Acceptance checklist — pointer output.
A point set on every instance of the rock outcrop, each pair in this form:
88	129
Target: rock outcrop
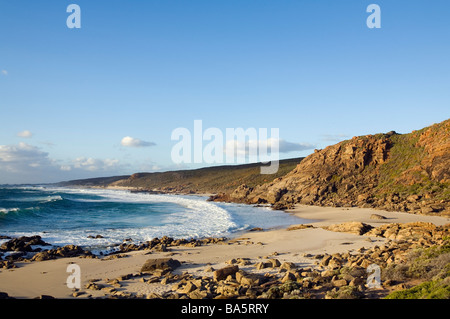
23	244
160	263
397	172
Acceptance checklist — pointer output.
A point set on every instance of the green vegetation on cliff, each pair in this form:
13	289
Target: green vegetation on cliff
404	173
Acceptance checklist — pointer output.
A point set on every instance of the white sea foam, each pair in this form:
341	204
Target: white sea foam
7	210
41	199
196	218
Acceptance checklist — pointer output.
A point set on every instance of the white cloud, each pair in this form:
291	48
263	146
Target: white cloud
25	134
17	157
129	141
25	163
4	72
271	145
94	164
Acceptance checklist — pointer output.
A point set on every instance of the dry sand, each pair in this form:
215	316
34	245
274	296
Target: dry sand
33	279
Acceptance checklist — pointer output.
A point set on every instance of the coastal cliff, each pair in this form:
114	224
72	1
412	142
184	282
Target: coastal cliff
395	172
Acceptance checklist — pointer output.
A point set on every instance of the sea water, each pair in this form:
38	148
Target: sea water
63	216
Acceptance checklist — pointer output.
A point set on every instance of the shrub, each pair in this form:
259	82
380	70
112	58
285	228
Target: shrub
439	289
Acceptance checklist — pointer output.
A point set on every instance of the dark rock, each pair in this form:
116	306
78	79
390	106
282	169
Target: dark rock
377	216
23	244
223	273
357	228
288	265
160	263
262	265
65	251
4	295
250	279
288	277
95	237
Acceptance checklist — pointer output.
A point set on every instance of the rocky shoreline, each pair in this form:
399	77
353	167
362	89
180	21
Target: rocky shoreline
413	254
21	249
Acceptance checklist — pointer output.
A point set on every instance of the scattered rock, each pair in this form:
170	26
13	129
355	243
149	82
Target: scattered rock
288	277
301	226
274	262
249	279
339	283
4	295
23	244
357	228
65	251
160	263
7	264
288	265
377	216
95	237
78	293
209	269
231	261
223	273
262	265
189	287
94	286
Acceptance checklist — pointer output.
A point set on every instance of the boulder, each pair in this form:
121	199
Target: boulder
241	192
274	262
227	290
4	295
339	282
231	261
377	216
356	228
41	256
249	279
160	263
262	265
223	273
23	244
288	265
325	260
190	287
288	277
334	263
69	251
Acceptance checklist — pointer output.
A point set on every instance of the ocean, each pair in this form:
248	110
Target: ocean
63	216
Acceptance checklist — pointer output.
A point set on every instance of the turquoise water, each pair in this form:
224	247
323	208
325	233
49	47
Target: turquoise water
64	216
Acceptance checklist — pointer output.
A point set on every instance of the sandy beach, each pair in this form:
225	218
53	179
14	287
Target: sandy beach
33	279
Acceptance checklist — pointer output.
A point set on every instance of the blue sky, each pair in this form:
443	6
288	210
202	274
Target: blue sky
140	69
